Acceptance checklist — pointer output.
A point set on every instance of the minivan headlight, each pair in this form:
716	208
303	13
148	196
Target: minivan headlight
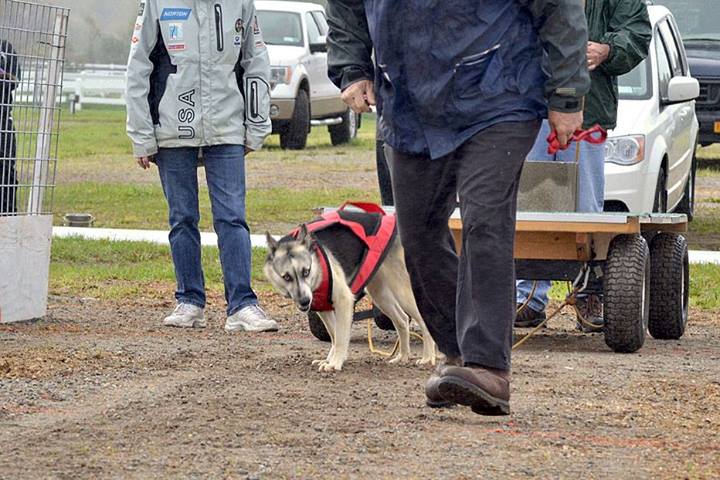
625	150
280	76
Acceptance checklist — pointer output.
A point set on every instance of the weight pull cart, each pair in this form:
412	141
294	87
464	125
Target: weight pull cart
642	260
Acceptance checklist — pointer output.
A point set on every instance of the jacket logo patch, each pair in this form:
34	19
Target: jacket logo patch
186	115
141	9
239	25
237	41
176	47
175	31
175	14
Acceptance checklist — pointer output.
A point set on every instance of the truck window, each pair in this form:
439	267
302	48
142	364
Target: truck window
321	22
280	28
313	30
696	19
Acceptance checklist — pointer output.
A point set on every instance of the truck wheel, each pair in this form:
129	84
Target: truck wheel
382	321
687	204
347	130
294	136
627	293
669	286
317	327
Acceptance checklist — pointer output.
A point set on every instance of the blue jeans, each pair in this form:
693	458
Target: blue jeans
225	172
591	197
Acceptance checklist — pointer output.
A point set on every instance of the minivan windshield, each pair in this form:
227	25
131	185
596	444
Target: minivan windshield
281	28
698	20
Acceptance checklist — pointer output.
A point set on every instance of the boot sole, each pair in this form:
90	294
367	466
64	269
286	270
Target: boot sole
440	404
462	392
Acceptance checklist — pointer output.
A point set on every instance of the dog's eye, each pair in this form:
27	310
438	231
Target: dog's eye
287	277
306	272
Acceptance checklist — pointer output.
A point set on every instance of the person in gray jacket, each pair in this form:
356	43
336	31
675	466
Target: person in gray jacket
198	83
461	90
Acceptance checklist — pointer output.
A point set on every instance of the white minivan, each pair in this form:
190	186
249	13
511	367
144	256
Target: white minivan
650	156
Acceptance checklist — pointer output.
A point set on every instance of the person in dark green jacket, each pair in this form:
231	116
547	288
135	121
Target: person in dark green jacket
619	34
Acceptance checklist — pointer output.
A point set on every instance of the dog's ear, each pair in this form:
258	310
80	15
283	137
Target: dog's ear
271	242
304	236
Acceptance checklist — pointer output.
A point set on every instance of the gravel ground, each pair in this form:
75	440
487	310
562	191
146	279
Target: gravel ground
100	390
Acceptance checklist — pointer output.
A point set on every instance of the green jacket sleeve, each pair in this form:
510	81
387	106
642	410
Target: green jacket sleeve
563	31
349	43
628	34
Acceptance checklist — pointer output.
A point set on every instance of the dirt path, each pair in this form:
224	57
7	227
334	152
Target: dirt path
100	390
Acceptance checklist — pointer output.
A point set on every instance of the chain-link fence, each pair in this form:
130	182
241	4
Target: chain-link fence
32	55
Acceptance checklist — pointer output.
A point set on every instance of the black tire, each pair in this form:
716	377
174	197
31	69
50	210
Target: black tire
627	293
317	327
669	286
660	203
347	130
382	321
294	136
687	204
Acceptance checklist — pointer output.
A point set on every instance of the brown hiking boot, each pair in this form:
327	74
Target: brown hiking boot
486	391
591	309
527	317
433	397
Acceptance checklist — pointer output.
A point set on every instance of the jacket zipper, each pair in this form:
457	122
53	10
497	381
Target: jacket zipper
254	101
219	28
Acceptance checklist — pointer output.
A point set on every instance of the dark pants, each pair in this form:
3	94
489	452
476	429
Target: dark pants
8	178
383	172
467	302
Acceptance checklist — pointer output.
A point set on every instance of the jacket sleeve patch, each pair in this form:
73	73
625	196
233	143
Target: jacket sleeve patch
257	93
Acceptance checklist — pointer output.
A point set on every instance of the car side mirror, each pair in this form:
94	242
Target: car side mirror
320	46
682	89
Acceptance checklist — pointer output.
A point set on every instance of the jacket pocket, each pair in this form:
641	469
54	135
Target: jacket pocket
219	31
473	73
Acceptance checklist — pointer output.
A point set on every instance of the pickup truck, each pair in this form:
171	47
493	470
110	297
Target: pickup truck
302	95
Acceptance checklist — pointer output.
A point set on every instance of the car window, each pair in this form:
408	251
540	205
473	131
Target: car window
664	69
676	63
280	28
313	30
321	22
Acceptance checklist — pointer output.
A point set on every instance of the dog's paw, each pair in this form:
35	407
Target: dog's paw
426	361
330	367
397	359
319	362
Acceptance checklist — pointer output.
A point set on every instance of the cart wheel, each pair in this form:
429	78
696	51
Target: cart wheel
317	327
627	293
381	320
669	286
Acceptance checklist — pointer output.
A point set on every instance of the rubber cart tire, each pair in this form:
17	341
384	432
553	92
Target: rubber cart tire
627	293
669	286
317	327
382	321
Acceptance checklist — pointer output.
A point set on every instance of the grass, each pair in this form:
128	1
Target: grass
144	206
116	270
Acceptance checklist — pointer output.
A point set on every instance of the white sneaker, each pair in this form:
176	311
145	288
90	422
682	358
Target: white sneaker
186	315
250	319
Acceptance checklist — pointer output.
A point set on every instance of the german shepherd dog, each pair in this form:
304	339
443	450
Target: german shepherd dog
292	267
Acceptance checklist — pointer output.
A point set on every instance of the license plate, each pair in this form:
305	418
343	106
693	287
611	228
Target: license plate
717	127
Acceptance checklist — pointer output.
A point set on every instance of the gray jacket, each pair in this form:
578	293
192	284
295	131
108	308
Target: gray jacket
198	75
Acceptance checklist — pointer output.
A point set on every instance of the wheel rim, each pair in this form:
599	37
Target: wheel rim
352	124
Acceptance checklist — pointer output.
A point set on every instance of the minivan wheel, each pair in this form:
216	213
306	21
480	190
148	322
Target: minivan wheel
294	136
687	204
660	203
345	131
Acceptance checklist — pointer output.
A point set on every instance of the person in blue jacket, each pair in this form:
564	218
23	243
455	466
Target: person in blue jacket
462	88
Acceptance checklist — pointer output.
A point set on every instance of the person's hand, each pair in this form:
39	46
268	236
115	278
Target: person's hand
144	162
565	124
360	96
248	151
597	53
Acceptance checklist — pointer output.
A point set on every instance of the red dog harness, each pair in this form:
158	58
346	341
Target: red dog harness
376	244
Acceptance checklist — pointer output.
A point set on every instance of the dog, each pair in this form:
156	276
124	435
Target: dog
293	267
